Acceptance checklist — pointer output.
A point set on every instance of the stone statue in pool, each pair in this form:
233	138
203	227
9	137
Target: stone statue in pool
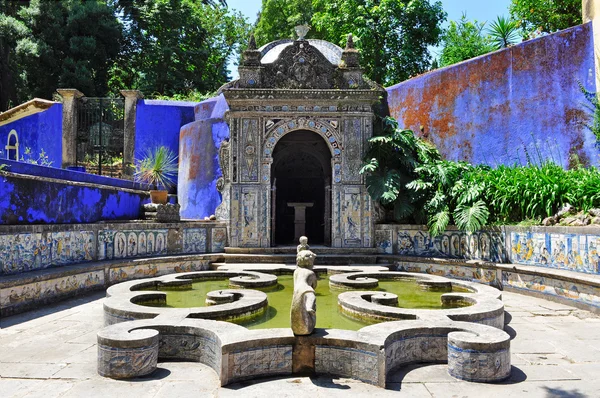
304	301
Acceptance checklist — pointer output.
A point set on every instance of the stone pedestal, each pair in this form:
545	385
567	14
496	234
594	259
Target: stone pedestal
162	213
69	125
300	218
131	99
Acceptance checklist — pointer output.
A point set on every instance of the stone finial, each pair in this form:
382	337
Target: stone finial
302	31
251	56
252	42
350	55
350	42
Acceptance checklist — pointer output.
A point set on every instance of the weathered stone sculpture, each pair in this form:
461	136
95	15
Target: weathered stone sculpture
304	300
302	246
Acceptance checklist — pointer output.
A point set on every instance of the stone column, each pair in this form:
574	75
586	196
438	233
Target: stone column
591	12
69	125
131	99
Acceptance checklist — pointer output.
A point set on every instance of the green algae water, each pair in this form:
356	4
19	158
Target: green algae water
280	301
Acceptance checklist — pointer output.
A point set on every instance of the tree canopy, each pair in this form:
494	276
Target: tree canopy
545	15
463	40
162	47
393	36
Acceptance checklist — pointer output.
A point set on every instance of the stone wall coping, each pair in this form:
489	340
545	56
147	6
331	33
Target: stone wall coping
28	108
108	225
502	228
7	173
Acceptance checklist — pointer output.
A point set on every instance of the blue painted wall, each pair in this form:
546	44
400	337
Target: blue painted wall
77	199
157	123
502	107
39	131
199	167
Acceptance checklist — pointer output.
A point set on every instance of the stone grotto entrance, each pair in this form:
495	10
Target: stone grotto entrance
301	189
299	118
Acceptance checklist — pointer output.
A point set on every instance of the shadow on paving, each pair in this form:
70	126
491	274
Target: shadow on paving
49	309
396	379
559	392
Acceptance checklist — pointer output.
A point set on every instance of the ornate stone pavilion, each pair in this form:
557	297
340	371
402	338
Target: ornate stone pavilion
300	116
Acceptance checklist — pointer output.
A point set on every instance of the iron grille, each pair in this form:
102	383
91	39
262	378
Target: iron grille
100	135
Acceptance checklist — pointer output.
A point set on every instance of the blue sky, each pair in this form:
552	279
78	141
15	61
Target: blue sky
480	10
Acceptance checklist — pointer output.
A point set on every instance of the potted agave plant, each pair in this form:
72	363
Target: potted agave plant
157	168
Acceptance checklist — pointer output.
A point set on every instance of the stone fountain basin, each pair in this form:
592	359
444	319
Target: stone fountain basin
138	336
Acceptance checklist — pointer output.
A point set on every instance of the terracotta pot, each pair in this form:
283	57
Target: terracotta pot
158	197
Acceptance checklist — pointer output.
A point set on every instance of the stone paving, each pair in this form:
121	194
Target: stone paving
51	352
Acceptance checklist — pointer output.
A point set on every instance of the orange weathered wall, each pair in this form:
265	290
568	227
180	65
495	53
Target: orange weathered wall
509	105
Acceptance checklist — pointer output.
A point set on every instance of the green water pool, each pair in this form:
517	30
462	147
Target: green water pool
280	300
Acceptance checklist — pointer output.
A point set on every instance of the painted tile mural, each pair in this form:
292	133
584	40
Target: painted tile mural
568	290
28	252
72	247
483	245
472	274
24	252
194	240
127	244
218	240
129	272
13	296
562	251
383	241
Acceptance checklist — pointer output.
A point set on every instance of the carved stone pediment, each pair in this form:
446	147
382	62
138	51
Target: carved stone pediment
300	66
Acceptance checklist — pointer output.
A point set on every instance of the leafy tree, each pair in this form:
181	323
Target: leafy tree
464	40
393	36
71	43
545	15
278	18
503	32
12	32
176	46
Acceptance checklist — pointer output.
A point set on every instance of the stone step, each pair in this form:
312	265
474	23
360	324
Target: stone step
278	268
318	250
322	259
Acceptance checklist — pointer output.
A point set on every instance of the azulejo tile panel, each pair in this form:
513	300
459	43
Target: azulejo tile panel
129	272
348	362
194	240
472	274
23	294
24	252
72	247
218	240
32	251
114	244
554	287
575	252
260	361
484	245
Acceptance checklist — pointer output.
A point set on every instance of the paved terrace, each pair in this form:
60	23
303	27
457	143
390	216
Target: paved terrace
51	352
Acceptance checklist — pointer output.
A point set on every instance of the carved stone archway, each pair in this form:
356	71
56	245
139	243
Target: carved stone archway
288	86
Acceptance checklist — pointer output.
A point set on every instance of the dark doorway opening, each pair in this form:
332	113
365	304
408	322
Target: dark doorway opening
301	173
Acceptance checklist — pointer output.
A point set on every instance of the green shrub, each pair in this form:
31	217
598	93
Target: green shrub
407	174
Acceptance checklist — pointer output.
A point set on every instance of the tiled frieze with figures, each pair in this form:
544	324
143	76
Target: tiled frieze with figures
570	251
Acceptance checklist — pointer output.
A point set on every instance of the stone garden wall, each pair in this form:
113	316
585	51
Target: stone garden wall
508	106
37	247
36	126
561	263
199	168
34	194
